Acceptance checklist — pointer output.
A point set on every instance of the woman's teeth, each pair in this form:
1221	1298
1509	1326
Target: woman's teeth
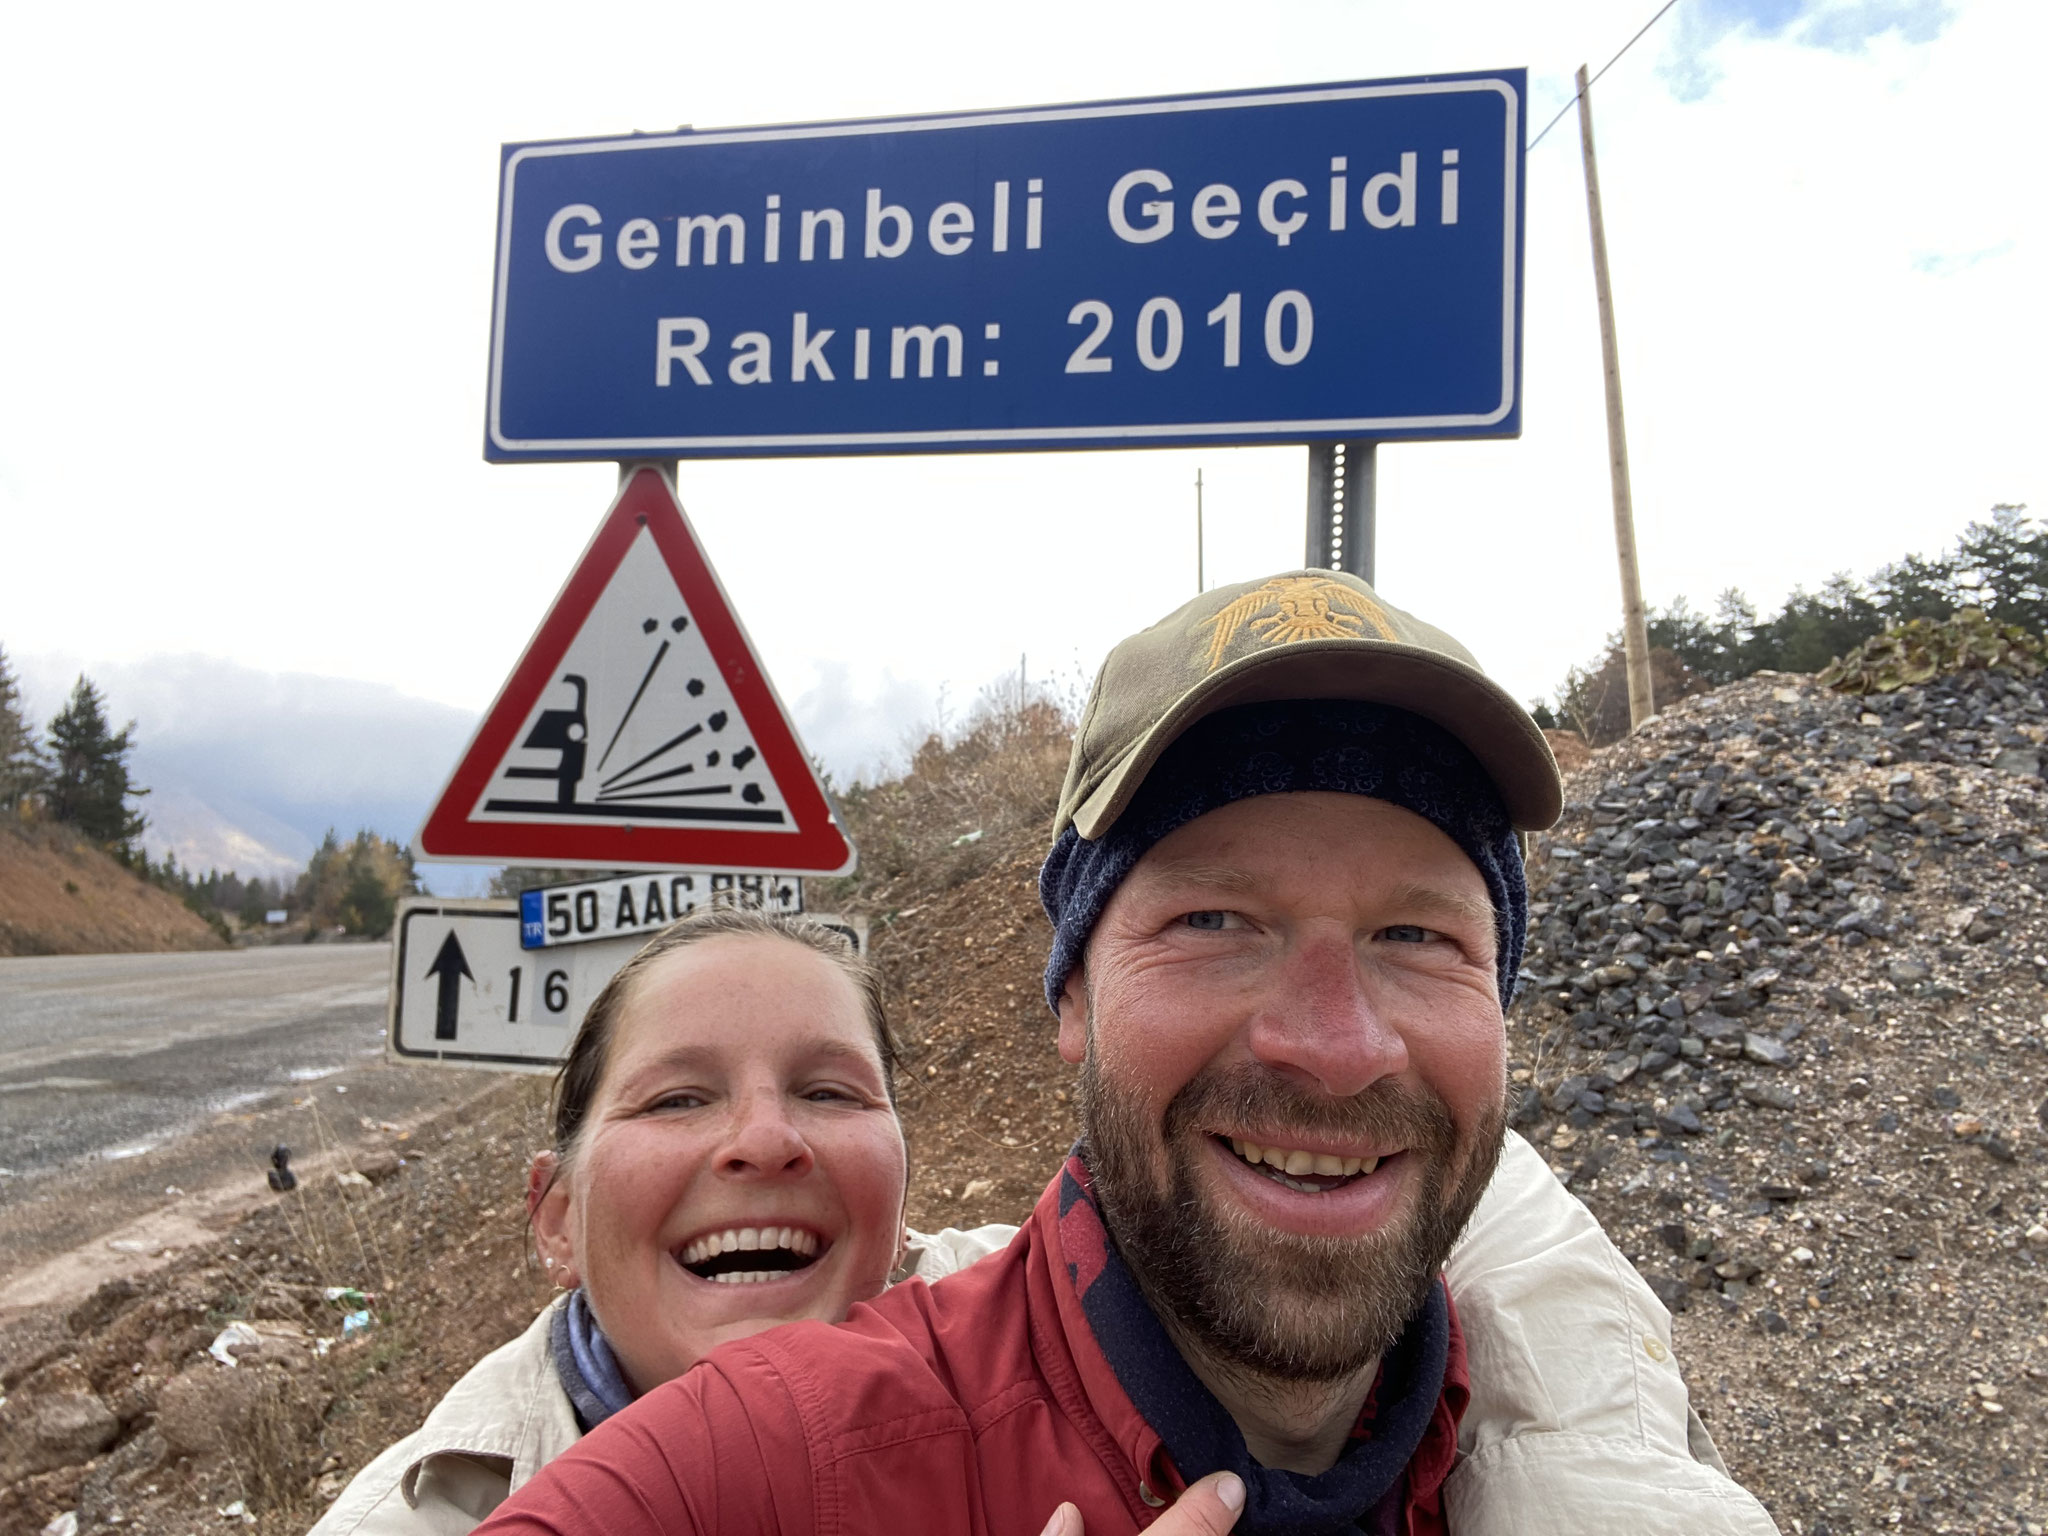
1294	1162
749	1240
750	1255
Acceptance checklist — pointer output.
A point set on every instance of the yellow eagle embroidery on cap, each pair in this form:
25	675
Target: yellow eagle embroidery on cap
1288	609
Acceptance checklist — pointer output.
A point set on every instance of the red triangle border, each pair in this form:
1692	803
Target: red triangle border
819	845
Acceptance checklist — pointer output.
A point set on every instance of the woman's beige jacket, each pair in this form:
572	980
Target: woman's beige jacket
1578	1422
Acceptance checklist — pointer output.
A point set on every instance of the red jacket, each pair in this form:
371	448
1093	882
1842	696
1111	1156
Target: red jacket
972	1408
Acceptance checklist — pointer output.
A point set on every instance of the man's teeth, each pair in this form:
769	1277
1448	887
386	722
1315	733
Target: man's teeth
1294	1162
749	1240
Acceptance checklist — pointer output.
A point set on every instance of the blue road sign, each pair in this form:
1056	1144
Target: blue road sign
1339	261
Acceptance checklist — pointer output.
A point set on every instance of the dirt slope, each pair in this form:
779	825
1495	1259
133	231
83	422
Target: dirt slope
61	896
1825	1146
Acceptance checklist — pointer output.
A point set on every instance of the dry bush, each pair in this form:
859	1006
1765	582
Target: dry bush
1594	700
321	1215
962	791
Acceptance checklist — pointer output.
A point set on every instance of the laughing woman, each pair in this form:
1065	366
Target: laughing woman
726	1157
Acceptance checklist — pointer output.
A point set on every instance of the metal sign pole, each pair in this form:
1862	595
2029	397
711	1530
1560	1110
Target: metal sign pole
1341	507
667	468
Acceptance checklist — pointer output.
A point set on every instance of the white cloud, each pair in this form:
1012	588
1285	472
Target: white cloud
862	729
1838	26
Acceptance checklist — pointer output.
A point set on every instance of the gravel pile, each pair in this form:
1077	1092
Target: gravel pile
1781	1027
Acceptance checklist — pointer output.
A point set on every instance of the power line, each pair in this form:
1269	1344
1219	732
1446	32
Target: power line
1603	70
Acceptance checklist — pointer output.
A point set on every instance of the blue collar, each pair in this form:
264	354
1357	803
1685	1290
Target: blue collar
584	1360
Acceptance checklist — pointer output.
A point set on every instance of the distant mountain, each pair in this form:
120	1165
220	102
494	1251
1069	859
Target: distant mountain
248	769
220	834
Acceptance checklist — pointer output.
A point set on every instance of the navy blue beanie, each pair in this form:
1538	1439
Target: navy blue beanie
1292	746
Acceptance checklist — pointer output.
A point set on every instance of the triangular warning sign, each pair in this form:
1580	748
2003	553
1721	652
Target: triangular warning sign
639	730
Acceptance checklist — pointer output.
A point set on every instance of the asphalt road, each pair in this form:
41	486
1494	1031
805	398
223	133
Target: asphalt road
127	1079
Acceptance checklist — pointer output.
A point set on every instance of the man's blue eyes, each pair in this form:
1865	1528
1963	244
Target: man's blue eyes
1399	933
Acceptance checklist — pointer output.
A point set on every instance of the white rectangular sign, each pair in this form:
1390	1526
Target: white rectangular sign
465	994
605	909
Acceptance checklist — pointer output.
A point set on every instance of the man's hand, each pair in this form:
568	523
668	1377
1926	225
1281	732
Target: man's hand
1209	1508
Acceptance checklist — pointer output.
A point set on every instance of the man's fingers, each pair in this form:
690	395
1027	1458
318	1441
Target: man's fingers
1208	1508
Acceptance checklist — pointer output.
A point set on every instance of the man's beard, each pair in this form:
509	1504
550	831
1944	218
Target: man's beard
1284	1306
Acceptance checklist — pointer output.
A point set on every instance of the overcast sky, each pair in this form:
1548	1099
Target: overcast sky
247	267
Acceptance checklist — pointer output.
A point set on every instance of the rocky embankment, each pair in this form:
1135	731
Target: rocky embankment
1782	1029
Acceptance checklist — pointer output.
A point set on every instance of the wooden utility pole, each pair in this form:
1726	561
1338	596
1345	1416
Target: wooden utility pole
1635	635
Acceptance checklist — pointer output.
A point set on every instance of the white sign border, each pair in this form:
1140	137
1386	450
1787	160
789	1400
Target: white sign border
1288	431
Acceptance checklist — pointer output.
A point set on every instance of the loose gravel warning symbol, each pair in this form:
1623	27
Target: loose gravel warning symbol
639	729
639	724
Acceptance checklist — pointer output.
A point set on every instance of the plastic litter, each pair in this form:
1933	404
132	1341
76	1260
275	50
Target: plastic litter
65	1524
234	1336
355	1323
237	1511
347	1295
350	1179
967	837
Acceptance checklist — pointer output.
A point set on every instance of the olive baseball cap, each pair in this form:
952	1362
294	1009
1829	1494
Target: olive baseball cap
1306	634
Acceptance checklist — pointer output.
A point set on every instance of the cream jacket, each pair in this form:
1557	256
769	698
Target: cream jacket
1579	1420
510	1416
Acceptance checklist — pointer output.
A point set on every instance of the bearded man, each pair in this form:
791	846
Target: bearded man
1288	911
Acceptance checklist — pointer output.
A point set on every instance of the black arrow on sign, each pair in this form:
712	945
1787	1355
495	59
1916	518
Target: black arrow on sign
451	966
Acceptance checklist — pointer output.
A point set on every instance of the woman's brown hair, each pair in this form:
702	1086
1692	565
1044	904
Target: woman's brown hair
583	1070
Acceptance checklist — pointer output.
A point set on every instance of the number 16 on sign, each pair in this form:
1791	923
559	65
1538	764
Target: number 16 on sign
464	992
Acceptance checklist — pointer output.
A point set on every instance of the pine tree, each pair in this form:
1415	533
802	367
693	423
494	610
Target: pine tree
2000	566
88	784
2003	568
21	759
